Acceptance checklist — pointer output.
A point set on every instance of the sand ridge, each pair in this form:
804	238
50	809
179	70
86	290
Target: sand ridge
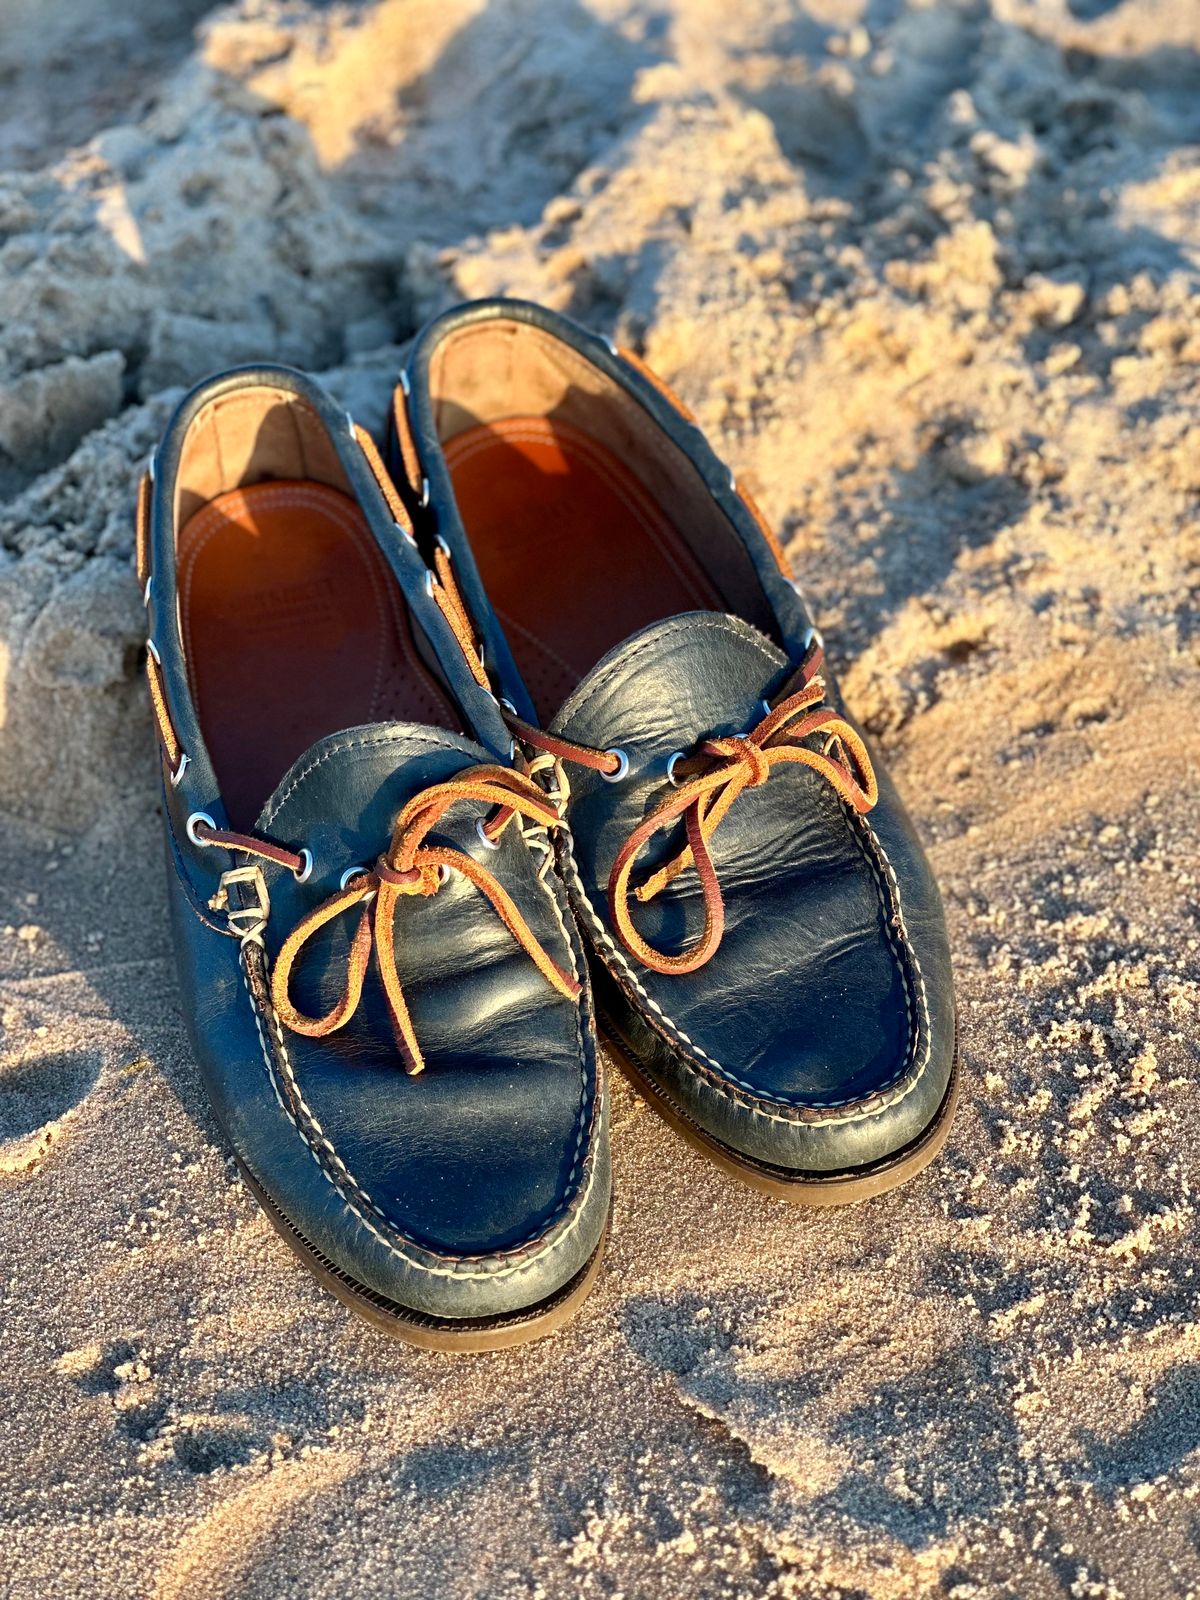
928	275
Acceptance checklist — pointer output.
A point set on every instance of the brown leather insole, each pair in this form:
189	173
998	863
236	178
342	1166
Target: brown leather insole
293	627
574	552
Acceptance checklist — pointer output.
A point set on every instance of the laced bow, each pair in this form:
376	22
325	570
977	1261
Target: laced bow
707	785
409	866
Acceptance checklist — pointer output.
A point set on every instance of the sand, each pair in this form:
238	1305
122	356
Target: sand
930	275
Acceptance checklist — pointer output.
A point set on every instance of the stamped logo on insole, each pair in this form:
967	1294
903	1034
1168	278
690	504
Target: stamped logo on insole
283	607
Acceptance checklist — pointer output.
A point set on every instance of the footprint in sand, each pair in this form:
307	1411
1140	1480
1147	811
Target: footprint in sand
39	1097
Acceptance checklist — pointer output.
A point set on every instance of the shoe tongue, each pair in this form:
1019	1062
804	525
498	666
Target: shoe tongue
676	681
340	799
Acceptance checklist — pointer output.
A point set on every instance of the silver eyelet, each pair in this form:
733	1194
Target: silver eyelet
733	488
508	705
622	767
351	872
406	534
350	425
512	751
147	590
404	382
813	636
611	347
152	465
306	856
429	583
672	763
152	652
424	493
185	762
193	822
766	707
490	844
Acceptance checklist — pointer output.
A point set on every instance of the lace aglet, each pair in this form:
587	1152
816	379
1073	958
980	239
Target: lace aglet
407	1048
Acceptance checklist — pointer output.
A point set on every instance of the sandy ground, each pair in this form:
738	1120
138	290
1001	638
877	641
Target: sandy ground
930	274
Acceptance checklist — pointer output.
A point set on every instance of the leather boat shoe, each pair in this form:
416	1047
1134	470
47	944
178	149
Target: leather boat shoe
385	991
767	940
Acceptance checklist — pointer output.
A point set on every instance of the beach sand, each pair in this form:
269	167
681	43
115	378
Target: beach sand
929	275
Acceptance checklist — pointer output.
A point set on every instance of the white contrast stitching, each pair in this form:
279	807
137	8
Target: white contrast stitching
375	742
705	619
730	1079
461	1267
732	1082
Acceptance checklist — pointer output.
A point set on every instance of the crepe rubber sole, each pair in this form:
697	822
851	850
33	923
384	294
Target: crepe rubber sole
785	1183
463	1335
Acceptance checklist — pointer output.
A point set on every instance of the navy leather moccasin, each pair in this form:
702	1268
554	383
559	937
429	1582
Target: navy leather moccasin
767	940
385	990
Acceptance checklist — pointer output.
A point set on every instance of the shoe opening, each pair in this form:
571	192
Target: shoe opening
292	623
588	522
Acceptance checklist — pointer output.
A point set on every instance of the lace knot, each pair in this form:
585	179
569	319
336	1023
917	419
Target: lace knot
752	757
510	794
424	880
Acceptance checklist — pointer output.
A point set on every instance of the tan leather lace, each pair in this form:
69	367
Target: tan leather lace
708	784
409	866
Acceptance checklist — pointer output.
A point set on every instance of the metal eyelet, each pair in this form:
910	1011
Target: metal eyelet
428	580
766	707
813	636
406	534
350	425
306	856
185	762
152	465
672	762
424	493
491	844
193	822
404	382
147	590
611	347
351	872
508	705
152	652
733	488
622	766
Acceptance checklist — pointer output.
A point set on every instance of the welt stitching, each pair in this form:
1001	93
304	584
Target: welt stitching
375	742
459	1267
715	620
726	1082
886	872
579	1040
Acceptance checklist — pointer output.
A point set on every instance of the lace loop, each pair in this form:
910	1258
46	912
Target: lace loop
409	866
708	783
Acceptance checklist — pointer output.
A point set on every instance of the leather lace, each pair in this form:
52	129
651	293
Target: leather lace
708	782
409	866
